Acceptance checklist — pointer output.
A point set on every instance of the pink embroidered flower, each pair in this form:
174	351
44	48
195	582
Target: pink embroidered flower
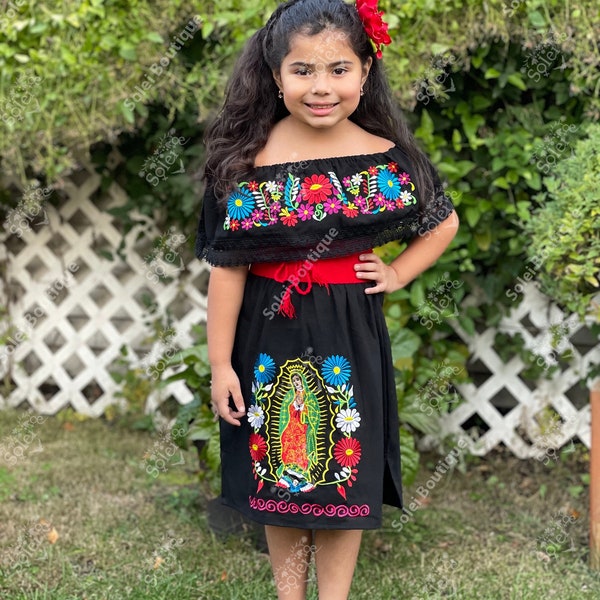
247	224
273	212
404	178
390	205
380	199
350	210
347	181
316	189
306	212
374	25
257	214
332	206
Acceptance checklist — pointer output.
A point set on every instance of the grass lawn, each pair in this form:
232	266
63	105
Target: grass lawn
83	515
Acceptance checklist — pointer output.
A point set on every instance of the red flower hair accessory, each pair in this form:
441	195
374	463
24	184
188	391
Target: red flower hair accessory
376	28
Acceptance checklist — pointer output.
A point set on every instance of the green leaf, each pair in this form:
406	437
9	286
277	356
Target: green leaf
410	457
471	124
439	48
501	183
68	56
483	239
73	20
202	429
417	293
467	324
473	214
405	343
128	51
537	19
456	140
516	80
412	414
492	73
108	42
207	28
213	453
127	113
575	490
154	36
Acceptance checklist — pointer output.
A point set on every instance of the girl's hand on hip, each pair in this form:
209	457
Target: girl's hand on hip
372	268
225	384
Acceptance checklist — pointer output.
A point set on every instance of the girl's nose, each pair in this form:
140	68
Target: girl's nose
320	84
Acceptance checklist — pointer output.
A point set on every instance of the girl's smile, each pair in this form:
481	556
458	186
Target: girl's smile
321	110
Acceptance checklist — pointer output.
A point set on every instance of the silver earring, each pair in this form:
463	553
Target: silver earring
362	92
280	94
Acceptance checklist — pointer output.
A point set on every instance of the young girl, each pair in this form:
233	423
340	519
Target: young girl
310	166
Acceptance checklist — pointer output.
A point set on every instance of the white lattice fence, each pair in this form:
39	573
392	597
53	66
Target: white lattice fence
73	308
505	404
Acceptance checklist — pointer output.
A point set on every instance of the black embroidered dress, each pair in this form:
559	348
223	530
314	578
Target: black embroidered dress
319	448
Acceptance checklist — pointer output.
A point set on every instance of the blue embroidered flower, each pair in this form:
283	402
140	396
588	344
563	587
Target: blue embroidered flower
389	184
264	369
336	370
240	205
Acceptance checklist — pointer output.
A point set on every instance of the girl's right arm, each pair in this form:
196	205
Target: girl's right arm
225	293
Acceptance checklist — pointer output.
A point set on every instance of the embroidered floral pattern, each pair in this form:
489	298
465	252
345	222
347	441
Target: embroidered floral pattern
317	197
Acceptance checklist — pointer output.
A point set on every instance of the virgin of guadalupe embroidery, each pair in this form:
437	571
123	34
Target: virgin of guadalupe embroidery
303	422
298	426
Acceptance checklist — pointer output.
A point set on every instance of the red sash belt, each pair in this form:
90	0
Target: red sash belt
301	274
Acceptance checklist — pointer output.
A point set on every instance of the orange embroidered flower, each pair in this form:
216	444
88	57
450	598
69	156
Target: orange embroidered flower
374	25
316	189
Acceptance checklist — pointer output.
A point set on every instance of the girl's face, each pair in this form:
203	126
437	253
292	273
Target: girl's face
321	79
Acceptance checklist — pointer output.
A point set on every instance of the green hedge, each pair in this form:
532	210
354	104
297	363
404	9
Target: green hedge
90	60
565	231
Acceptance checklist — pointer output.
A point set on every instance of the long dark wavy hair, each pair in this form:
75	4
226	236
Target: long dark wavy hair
252	107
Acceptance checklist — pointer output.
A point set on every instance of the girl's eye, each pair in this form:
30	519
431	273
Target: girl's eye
303	72
339	71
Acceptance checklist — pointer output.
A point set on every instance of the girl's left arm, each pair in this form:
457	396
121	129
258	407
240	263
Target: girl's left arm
419	255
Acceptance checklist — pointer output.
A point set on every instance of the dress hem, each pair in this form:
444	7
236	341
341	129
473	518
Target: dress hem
344	524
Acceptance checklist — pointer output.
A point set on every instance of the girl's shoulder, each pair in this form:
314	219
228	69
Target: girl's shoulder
280	150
